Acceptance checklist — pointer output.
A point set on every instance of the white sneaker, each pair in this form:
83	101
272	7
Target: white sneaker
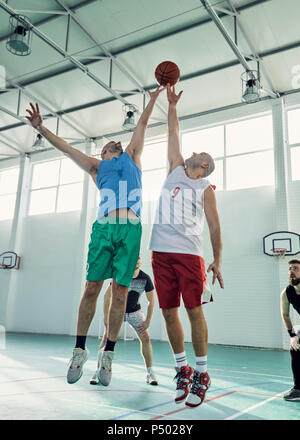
183	382
76	363
94	380
151	379
104	375
200	385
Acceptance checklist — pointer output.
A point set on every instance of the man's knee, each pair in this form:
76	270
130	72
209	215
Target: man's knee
170	315
194	312
145	337
92	289
119	293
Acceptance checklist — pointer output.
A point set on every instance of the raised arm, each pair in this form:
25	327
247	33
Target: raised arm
213	221
88	164
174	155
135	148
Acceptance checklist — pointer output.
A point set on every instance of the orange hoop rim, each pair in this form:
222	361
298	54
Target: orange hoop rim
278	252
4	266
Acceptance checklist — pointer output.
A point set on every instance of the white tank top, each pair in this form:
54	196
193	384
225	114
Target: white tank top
178	223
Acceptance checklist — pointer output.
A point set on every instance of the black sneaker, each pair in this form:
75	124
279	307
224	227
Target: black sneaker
293	394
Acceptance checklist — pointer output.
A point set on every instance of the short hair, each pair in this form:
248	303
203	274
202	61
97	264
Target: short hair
294	261
116	149
211	166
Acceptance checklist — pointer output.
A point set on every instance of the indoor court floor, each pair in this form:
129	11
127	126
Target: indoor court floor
247	384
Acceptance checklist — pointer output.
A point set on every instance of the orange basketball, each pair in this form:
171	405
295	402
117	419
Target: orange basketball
167	72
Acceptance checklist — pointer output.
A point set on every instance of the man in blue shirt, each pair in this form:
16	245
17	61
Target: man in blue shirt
116	234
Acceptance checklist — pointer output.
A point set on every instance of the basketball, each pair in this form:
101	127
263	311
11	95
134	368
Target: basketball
167	72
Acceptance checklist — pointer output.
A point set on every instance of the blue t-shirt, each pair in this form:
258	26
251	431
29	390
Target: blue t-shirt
119	181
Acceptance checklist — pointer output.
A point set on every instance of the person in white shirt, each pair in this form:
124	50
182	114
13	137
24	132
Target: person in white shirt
177	256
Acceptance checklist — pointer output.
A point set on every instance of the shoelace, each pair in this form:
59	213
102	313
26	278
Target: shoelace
76	360
106	362
181	381
197	385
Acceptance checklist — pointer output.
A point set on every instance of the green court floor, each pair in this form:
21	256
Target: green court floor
247	384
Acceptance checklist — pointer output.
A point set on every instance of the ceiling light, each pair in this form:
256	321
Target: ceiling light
129	122
19	40
251	87
39	143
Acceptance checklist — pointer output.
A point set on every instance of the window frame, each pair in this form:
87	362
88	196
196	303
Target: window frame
2	170
226	156
31	190
290	146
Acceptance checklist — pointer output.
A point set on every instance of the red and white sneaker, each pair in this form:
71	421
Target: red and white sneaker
200	384
184	380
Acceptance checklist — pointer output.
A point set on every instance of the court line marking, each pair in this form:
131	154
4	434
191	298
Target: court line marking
226	394
250	408
143	409
164	364
185	408
110	406
172	401
98	390
61	377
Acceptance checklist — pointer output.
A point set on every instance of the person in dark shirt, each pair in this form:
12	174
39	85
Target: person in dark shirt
140	283
291	295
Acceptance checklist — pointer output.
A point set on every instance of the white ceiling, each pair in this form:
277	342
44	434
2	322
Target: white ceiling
140	33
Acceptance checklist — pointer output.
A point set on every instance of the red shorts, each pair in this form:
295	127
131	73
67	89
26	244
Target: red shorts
178	273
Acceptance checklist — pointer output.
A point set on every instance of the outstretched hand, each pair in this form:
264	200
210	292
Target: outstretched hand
215	267
35	117
172	97
154	95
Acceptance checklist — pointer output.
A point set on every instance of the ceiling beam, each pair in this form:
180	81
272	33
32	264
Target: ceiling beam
251	46
216	19
182	118
10	146
62	52
183	78
107	53
139	44
263	54
43	105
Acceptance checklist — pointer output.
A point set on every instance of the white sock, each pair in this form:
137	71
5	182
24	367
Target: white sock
149	370
180	359
201	364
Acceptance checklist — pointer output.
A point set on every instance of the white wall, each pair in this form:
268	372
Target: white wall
44	294
5	228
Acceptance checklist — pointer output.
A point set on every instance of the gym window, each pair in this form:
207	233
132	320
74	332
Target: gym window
56	186
294	142
242	150
154	167
8	192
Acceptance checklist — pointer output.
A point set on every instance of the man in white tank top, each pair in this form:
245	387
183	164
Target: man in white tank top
177	256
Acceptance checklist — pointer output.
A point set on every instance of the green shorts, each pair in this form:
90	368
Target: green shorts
114	250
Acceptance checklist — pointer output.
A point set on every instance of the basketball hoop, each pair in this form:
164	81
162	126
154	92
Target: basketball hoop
278	253
9	260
